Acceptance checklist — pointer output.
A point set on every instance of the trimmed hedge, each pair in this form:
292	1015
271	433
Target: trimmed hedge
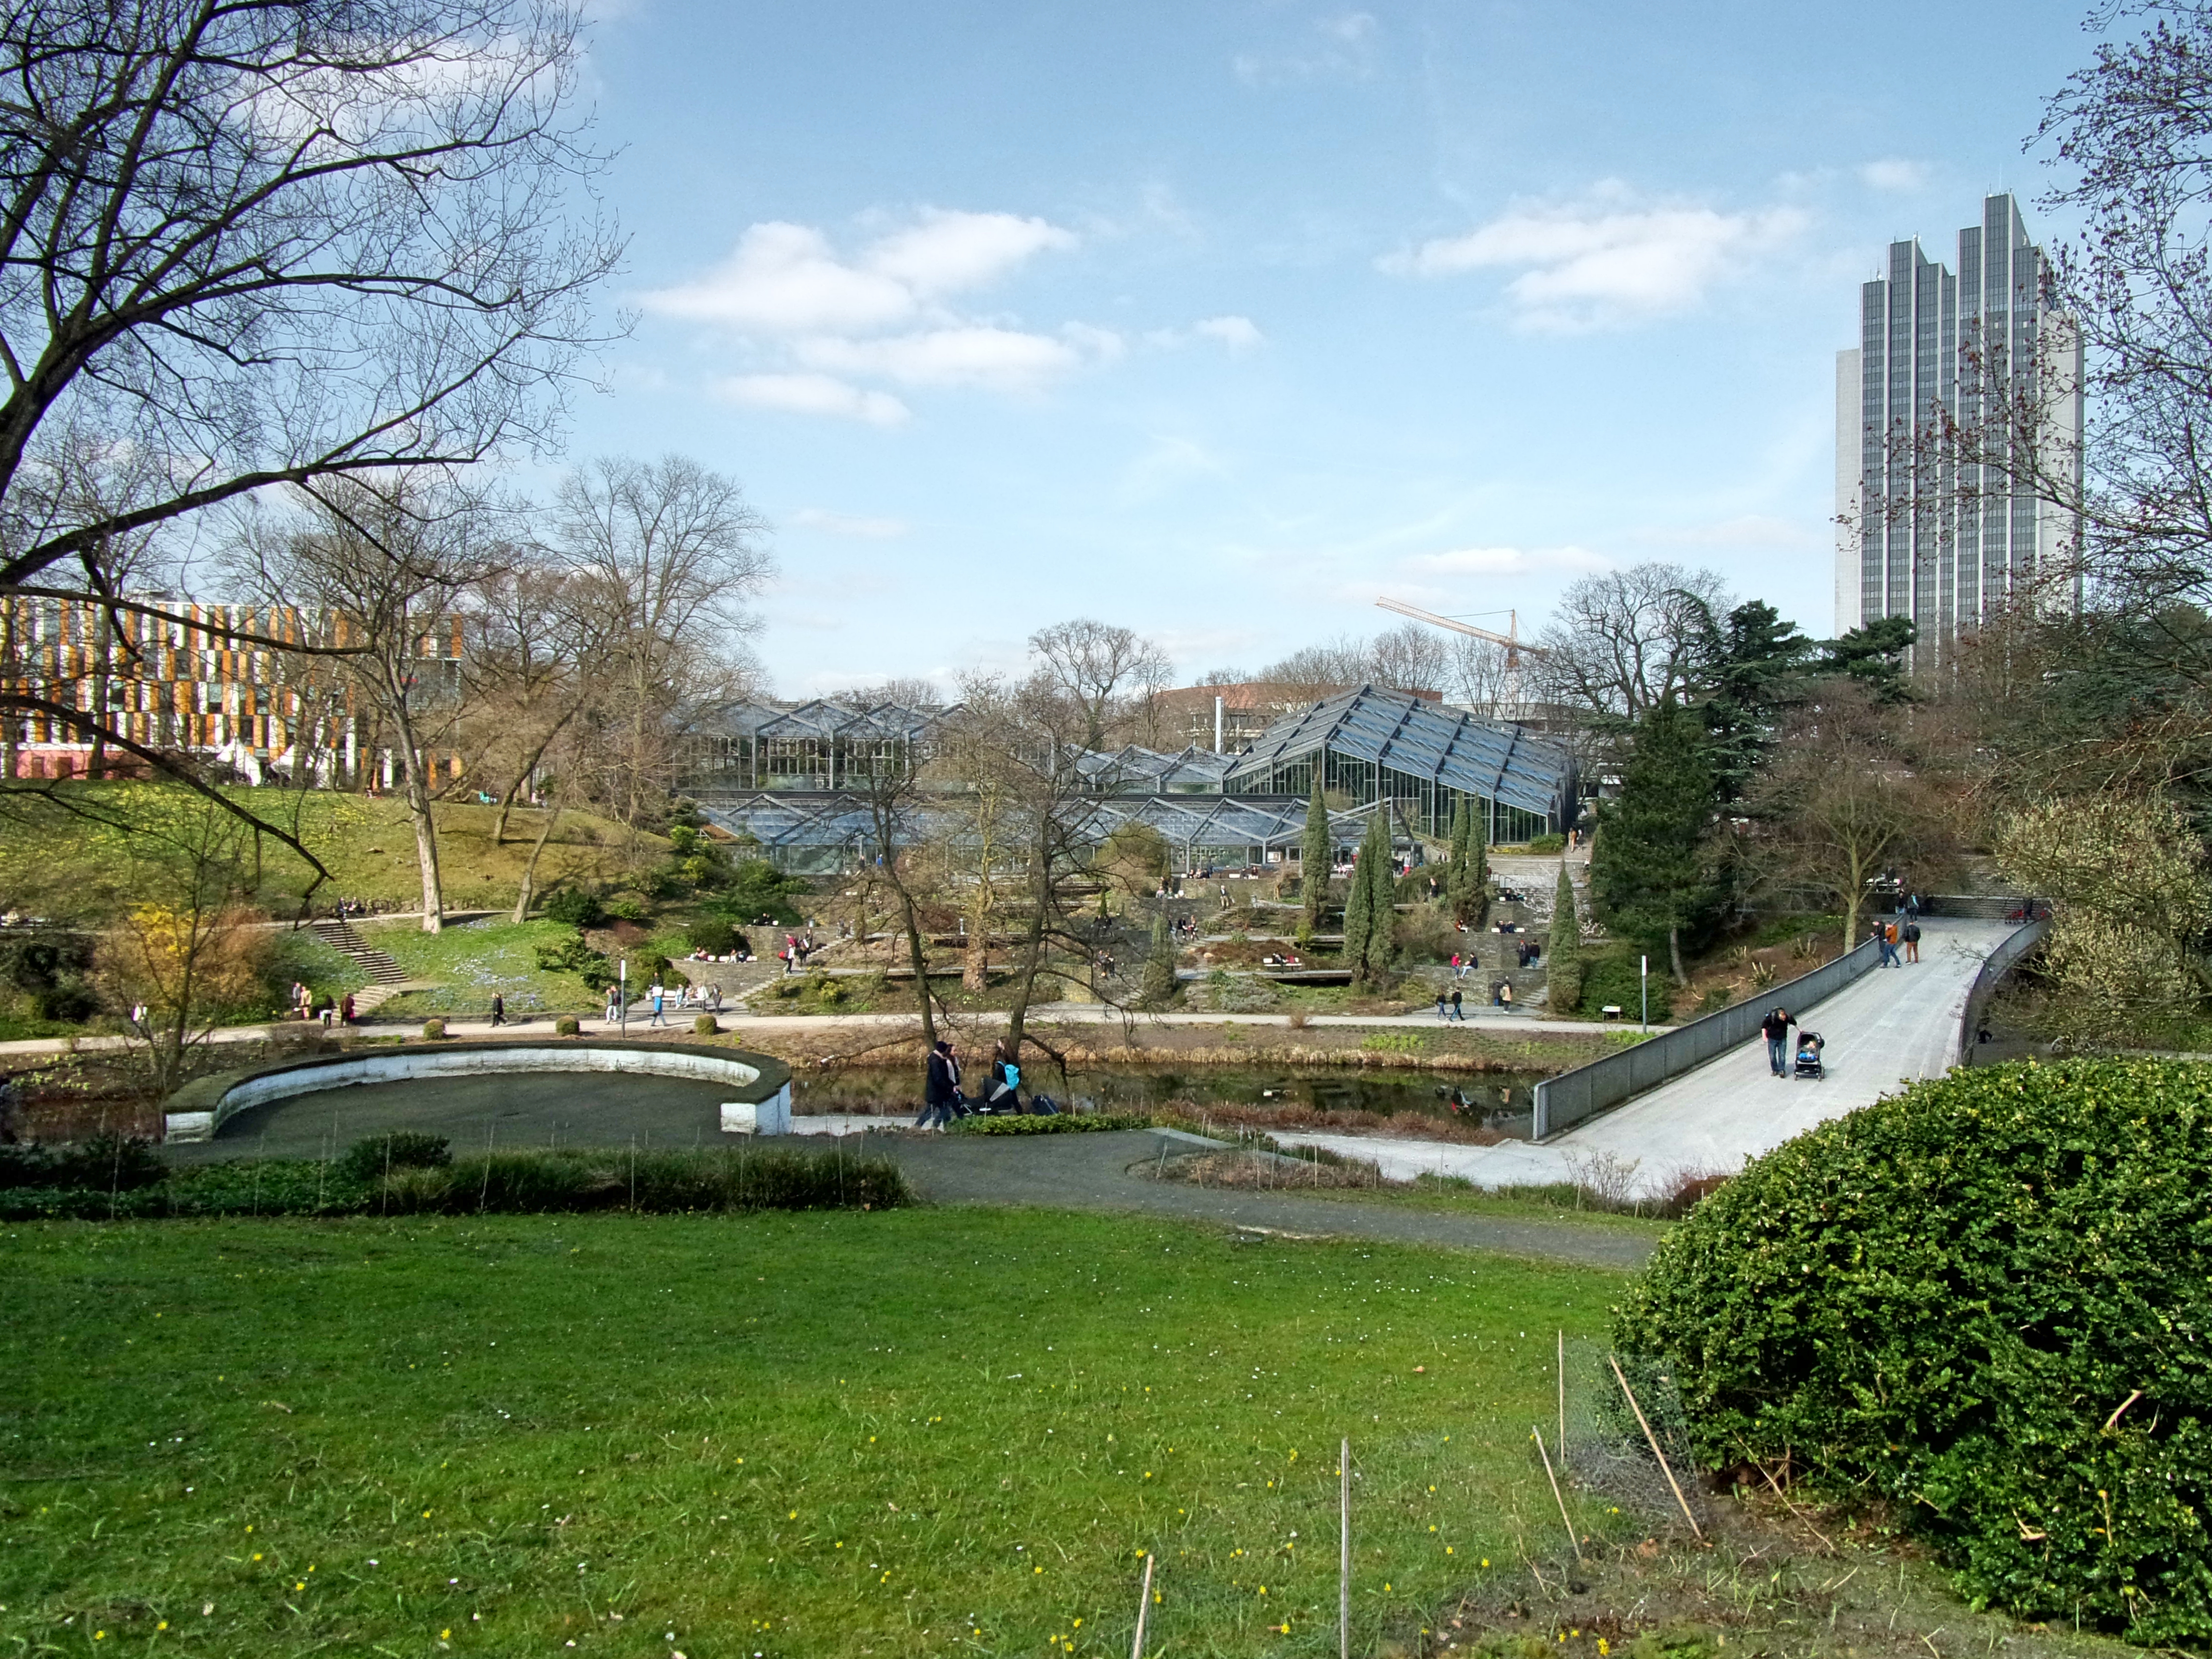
528	1182
1986	1301
1060	1123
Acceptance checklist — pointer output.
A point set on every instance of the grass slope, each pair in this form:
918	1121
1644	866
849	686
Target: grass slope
470	960
915	1432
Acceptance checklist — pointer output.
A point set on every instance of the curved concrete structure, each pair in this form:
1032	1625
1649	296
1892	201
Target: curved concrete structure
759	1085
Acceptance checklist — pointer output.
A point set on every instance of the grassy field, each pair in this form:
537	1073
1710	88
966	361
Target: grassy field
920	1431
470	960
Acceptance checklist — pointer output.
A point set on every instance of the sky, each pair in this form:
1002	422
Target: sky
1221	321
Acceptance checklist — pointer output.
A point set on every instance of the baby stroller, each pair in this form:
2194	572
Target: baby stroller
1808	1055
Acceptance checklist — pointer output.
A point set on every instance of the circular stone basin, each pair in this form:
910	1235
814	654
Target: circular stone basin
489	1093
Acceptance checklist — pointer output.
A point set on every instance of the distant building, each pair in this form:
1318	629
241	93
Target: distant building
1922	530
1186	714
184	683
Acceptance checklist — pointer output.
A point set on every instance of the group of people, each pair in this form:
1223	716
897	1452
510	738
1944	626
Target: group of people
306	1006
943	1100
1447	1008
707	1001
1891	937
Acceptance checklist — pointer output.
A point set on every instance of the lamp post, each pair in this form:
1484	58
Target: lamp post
1643	984
621	977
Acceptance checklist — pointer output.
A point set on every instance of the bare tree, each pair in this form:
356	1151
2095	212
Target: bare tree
1625	641
667	552
1110	672
383	566
1410	657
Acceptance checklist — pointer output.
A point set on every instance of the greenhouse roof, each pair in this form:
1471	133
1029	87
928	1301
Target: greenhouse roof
1412	735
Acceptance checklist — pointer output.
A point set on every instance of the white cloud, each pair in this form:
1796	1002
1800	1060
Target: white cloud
1607	260
1340	47
849	524
1237	333
950	252
1746	530
813	394
1003	359
1894	174
1505	561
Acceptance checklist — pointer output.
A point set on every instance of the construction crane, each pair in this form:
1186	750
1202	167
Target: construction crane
1510	698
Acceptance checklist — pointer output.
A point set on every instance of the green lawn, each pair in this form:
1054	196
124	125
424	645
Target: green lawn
933	1431
470	960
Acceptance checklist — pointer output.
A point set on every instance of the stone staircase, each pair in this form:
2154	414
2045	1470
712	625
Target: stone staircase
386	976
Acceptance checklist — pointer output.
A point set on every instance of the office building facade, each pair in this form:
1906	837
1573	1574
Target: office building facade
1930	522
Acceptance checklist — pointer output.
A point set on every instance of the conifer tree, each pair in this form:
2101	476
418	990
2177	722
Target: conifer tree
1313	862
1382	898
1648	872
1563	951
1158	988
1467	886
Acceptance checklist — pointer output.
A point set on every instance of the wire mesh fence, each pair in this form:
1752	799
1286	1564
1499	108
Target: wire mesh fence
1624	1439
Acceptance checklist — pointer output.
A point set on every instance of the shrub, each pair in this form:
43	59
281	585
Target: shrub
704	1026
1061	1123
566	1026
402	1149
1983	1300
1613	978
569	954
433	1029
574	907
712	935
106	1163
1554	843
628	906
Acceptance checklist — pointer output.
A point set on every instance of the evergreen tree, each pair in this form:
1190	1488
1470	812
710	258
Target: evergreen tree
1874	656
1381	899
1752	668
1457	892
1158	988
1315	860
1648	874
1358	913
1563	952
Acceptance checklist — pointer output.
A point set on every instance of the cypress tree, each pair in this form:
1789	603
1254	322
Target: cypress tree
1563	952
1159	982
1315	860
1358	910
1382	898
1470	866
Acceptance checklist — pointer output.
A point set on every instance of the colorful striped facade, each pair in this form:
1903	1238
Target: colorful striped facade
183	681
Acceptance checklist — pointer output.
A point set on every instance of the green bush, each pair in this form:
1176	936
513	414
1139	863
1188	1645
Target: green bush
1060	1123
1983	1301
566	1026
1613	978
1547	844
574	907
629	907
106	1163
712	934
704	1026
529	1182
569	954
402	1149
433	1029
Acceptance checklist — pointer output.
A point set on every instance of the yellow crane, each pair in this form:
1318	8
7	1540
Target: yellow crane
1509	704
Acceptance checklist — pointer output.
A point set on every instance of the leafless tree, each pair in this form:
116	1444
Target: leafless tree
1410	657
1480	678
383	566
1624	641
668	553
1107	671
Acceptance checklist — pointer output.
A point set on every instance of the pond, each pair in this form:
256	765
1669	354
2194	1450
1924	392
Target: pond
1498	1100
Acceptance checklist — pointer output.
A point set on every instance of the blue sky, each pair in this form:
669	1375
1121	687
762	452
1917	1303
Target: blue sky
1220	320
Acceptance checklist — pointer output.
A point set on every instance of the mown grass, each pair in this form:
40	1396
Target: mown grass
909	1433
472	960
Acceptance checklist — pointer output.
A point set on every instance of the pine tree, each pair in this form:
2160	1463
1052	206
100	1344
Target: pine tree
1315	860
1158	988
1648	873
1563	952
1382	898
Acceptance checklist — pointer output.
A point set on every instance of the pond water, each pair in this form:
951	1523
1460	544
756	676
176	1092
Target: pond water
1496	1100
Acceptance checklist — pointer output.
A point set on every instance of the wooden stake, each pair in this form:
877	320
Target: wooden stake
1557	1496
1344	1553
1561	1442
1653	1441
1144	1606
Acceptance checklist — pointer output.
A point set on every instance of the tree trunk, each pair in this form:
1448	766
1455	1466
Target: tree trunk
918	954
103	667
499	824
1674	956
416	787
529	868
1033	945
977	976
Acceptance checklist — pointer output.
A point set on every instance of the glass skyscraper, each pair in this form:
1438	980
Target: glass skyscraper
1926	527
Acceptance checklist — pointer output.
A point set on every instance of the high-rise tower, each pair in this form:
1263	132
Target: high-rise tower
1930	522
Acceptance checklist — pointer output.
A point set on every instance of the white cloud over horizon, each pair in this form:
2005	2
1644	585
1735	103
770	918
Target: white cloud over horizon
1894	174
813	394
1606	259
1337	47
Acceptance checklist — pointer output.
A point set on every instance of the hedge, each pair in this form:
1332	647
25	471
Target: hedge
1059	1124
1985	1301
361	1183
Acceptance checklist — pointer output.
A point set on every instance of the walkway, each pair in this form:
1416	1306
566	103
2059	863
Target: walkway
1891	1027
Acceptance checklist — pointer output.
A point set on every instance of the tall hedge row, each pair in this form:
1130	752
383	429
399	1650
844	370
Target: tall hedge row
1987	1301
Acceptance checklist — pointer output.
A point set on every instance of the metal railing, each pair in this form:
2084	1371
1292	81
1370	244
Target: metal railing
1573	1096
2016	944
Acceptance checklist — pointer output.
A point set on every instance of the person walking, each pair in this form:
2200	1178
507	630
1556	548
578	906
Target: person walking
1456	1013
1505	996
1912	939
1005	1080
1441	1014
1885	952
1776	1026
936	1088
659	995
345	1009
498	1008
614	1005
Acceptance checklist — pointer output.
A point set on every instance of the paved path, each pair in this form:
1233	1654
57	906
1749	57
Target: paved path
1892	1026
